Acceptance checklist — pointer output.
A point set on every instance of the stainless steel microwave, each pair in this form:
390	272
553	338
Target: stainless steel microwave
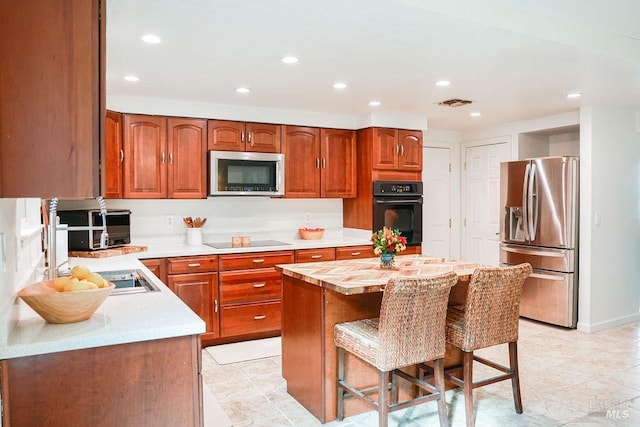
236	173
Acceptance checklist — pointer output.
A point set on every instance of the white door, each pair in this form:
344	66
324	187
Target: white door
482	202
436	210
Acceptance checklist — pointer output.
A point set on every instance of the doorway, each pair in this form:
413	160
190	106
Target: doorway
481	221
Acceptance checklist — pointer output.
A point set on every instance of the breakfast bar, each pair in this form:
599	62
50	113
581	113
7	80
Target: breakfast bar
317	296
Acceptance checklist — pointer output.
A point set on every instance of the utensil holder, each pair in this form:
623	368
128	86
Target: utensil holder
194	236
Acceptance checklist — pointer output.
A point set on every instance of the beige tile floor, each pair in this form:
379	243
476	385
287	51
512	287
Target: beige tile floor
568	378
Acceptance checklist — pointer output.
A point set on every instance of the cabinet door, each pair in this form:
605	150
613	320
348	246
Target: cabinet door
199	292
187	160
385	149
224	135
338	165
145	157
315	255
157	266
301	148
113	156
410	156
264	138
354	252
52	98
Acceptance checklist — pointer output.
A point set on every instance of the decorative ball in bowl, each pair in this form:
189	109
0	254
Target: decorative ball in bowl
64	306
311	233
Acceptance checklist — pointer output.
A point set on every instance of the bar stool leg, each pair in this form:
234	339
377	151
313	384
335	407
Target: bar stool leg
383	408
438	372
394	387
468	388
515	380
340	409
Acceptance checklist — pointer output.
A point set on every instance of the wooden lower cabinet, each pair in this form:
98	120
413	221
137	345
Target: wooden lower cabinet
195	281
250	294
147	383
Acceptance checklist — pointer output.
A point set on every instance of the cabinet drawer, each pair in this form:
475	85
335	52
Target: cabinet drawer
247	286
196	264
310	255
250	318
353	252
255	260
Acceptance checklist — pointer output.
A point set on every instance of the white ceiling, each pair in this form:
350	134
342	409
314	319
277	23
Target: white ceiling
515	59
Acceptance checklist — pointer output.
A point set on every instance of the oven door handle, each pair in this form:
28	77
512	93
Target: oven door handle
399	202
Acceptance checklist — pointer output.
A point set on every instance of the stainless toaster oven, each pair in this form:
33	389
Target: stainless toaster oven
86	227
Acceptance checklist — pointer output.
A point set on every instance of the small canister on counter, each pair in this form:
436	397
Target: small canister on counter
236	241
246	241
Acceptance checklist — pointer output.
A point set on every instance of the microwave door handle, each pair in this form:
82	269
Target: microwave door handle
533	203
525	212
398	202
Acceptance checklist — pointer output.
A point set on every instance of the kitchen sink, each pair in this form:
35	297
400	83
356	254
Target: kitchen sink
128	281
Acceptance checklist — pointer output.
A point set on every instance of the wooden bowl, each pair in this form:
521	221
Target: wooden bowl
311	233
63	307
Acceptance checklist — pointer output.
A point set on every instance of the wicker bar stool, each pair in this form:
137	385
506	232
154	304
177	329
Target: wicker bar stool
410	330
489	317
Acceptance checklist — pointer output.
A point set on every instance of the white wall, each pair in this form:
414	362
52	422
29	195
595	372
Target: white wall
610	192
254	216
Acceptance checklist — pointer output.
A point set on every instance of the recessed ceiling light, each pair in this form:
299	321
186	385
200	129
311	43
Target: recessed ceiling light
443	83
374	103
475	114
131	78
151	38
243	90
339	85
290	59
574	95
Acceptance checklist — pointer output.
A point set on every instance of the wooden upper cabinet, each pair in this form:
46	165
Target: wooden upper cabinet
187	158
338	163
410	157
52	104
397	150
224	135
301	148
145	156
164	157
113	156
385	148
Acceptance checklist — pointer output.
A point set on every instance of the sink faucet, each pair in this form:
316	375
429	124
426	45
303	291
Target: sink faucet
52	264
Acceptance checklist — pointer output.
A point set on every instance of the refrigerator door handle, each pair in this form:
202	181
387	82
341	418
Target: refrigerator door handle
547	277
532	208
525	210
534	252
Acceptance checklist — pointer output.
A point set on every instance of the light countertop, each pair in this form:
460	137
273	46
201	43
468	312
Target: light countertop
359	276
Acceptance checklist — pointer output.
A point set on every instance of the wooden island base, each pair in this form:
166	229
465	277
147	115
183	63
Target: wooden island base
309	314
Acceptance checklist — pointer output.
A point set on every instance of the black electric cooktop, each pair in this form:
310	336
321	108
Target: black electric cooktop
254	244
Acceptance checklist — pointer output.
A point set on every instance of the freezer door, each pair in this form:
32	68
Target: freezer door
562	260
551	203
550	297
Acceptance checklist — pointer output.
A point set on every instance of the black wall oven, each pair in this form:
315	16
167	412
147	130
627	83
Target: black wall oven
398	204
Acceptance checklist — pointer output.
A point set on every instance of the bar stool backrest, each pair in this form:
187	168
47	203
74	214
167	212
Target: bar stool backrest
492	308
412	320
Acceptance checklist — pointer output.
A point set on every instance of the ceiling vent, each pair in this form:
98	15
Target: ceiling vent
454	102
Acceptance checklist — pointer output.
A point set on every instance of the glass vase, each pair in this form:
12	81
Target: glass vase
387	260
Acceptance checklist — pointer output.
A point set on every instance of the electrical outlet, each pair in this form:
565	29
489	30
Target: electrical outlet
168	221
307	217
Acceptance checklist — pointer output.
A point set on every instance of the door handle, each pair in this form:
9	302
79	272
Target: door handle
258	260
215	305
355	253
402	150
546	277
259	317
170	158
534	252
194	264
121	156
259	285
316	256
162	158
317	163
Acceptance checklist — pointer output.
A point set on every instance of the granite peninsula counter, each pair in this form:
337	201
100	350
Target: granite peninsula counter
316	296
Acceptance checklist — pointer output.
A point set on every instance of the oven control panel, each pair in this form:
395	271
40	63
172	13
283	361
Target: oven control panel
397	188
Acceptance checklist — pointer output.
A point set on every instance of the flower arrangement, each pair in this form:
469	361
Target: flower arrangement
388	241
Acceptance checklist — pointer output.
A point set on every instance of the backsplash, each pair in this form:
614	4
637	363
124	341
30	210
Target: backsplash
225	215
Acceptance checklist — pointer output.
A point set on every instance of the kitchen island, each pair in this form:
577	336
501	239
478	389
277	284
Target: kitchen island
317	296
135	362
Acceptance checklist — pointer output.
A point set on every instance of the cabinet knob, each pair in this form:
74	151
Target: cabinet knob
259	317
215	305
258	260
317	163
242	136
121	156
249	137
402	150
355	253
316	256
162	158
259	285
194	264
170	158
324	163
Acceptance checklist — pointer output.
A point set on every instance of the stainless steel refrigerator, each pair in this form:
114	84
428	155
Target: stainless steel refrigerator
539	207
